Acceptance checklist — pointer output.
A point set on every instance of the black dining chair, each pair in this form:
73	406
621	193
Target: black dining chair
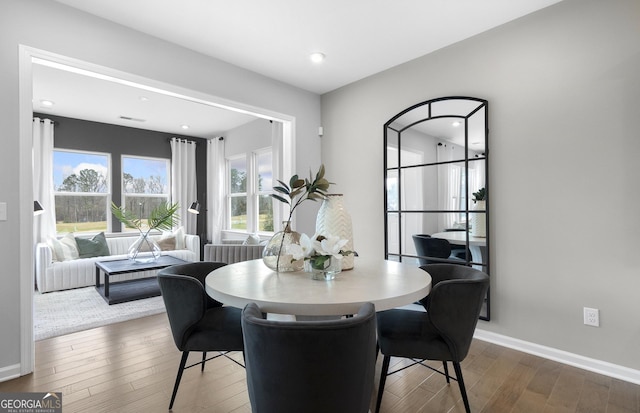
444	332
199	271
459	251
310	366
197	323
432	250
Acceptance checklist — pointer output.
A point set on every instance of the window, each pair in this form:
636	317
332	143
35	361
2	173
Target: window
238	193
249	188
82	191
145	184
265	188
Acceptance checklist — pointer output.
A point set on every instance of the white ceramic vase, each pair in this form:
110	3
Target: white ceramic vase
478	220
334	219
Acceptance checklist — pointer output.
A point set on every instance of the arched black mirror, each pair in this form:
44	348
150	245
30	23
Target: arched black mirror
436	184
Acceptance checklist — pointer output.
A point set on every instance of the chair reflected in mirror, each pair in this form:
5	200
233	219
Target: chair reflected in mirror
436	250
459	251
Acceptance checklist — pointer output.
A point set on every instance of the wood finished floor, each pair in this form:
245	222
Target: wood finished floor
131	367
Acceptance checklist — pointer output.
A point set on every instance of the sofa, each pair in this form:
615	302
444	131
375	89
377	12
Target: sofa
232	251
53	274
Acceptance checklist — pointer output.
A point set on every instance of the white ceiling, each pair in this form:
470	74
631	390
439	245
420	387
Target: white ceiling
275	38
95	99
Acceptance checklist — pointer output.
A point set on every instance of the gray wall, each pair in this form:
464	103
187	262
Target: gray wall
55	28
78	134
563	87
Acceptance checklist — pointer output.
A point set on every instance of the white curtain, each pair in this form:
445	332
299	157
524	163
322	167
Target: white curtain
216	204
183	181
44	225
277	144
448	186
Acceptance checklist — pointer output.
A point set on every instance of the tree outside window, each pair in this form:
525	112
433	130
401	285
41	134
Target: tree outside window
250	185
238	193
81	191
145	184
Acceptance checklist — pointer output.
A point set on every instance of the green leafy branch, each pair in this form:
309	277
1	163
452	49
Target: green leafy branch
299	190
163	217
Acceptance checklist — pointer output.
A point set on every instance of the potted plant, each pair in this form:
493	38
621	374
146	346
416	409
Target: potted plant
480	195
163	217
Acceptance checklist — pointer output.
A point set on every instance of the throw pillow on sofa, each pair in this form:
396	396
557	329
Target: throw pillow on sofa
252	239
178	234
167	243
93	247
65	248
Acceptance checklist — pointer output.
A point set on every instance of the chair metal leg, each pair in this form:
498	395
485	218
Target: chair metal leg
446	371
383	379
204	359
183	361
465	399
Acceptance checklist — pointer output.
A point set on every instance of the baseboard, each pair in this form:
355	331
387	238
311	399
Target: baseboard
9	372
576	360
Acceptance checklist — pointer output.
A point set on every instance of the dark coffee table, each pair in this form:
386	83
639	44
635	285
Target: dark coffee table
131	290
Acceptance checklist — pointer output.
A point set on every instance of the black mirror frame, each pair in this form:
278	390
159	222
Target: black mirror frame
481	105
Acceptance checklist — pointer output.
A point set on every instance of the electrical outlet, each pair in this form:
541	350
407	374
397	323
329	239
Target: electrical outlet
591	317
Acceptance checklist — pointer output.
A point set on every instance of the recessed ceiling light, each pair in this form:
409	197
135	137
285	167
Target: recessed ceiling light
184	126
317	57
143	98
47	103
456	124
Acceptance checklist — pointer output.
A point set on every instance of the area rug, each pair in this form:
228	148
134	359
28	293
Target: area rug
63	312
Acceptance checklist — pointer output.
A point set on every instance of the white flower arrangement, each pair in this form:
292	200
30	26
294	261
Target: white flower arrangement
319	249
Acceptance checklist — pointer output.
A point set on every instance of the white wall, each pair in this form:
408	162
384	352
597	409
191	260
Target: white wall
55	28
563	87
247	138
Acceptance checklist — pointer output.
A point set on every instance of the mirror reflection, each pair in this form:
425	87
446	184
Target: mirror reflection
436	184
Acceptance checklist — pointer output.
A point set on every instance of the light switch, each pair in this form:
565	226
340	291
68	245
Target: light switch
3	211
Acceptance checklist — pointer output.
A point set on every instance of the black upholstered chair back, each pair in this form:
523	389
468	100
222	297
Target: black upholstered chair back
454	303
198	323
426	246
185	301
197	270
310	366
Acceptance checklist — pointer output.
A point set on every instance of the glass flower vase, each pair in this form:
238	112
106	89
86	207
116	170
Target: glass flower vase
144	250
323	268
279	251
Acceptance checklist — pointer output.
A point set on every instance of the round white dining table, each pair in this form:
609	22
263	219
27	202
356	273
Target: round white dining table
387	284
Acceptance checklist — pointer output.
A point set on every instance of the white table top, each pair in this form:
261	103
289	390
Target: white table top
460	238
387	284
